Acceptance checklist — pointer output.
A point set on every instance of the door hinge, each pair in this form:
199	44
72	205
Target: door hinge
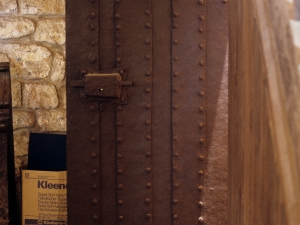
104	85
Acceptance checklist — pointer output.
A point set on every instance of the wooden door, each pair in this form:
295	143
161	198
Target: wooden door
149	145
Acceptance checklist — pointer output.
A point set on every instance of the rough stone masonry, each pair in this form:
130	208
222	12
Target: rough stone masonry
32	34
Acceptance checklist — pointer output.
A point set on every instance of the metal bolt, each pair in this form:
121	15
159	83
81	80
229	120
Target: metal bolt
201	17
92	27
119	156
201	77
148	73
148	185
94	201
201	109
175	138
175	74
175	217
176	185
121	217
147	57
175	201
148	170
201	219
94	155
148	106
201	2
200	188
147	41
118	27
118	60
149	216
201	93
176	58
176	154
148	201
175	42
201	46
92	60
118	124
95	217
94	172
92	43
201	157
93	15
93	139
148	137
200	203
201	140
120	186
201	30
175	106
201	125
148	25
175	89
120	140
117	16
200	172
148	122
120	171
120	202
175	14
148	154
202	63
148	12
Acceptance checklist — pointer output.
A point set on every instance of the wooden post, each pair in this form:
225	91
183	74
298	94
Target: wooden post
7	170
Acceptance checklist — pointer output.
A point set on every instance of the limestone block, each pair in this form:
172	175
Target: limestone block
8	6
42	6
22	119
52	120
63	96
38	96
4	58
21	140
15	27
52	31
16	94
28	61
58	68
295	28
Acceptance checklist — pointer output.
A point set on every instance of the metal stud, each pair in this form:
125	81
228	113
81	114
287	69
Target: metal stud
93	139
148	73
148	137
200	172
148	12
175	25
95	186
148	122
201	219
201	17
201	2
117	16
119	155
202	63
201	140
95	217
176	185
118	123
175	42
148	25
175	106
121	217
119	60
118	27
120	171
201	46
147	41
201	93
148	154
94	172
176	58
175	201
175	89
148	201
92	43
149	216
148	185
120	186
175	14
175	217
201	125
119	140
201	77
148	170
120	202
94	155
200	203
200	188
175	74
201	157
201	109
147	57
148	106
92	108
201	30
93	15
176	154
92	27
83	72
94	201
119	108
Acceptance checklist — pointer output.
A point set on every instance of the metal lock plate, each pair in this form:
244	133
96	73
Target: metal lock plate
103	85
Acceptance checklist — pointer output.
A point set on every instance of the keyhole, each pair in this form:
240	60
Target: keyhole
101	90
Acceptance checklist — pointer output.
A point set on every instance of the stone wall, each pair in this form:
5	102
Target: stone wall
32	34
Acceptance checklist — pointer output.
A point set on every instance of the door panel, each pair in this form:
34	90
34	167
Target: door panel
144	162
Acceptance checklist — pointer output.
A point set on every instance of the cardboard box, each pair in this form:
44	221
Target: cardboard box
44	197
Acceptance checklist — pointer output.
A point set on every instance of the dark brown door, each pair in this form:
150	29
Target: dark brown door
146	153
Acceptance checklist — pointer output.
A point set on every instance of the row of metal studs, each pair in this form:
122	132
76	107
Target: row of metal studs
148	73
93	123
202	140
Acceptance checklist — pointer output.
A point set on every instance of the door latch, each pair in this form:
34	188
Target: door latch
105	85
